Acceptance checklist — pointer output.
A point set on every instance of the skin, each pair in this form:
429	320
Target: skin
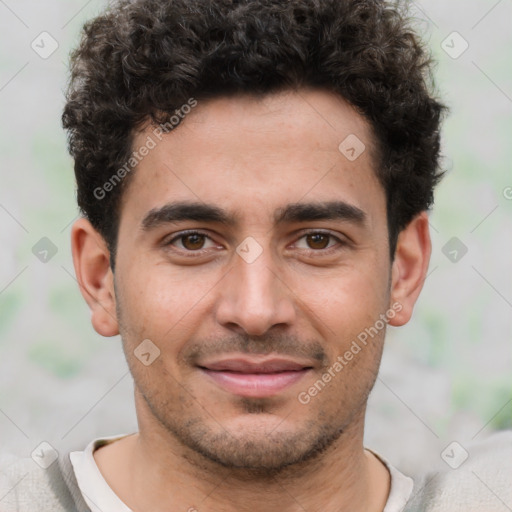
306	298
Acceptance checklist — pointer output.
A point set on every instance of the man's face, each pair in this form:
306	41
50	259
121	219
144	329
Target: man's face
256	305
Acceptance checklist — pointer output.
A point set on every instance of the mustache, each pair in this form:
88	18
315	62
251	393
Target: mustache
284	345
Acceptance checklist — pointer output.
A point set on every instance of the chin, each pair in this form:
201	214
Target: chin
262	444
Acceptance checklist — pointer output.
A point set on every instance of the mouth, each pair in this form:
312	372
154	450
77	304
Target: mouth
255	378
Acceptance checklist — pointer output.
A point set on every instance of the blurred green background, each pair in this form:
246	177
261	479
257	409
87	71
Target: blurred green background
445	376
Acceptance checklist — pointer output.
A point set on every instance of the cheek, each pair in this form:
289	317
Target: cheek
342	305
163	305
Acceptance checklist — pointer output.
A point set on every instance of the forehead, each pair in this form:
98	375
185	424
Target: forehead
254	155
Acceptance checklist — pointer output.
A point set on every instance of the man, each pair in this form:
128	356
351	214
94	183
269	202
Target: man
254	178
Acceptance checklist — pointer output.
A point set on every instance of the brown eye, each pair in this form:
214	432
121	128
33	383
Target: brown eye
193	241
319	243
318	240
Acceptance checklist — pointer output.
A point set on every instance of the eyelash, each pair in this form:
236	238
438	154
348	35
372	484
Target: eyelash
200	252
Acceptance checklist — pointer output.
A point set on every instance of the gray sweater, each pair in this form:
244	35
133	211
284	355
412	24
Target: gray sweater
24	486
482	483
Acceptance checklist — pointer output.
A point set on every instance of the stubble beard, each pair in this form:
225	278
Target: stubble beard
257	453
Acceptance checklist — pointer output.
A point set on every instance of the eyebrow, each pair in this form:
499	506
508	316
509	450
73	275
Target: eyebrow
291	213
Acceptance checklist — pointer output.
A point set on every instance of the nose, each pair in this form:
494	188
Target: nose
254	298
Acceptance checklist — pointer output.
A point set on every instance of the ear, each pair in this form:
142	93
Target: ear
409	267
91	259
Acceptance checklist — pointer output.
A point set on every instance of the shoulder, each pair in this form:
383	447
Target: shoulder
24	483
475	477
16	473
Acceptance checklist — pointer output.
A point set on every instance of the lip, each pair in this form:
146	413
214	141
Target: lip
256	378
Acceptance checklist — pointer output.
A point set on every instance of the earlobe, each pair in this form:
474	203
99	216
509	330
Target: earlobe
91	260
410	267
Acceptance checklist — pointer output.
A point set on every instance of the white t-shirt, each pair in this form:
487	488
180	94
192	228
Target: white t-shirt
100	497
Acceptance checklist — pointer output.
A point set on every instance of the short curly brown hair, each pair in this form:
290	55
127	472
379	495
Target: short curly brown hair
143	59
